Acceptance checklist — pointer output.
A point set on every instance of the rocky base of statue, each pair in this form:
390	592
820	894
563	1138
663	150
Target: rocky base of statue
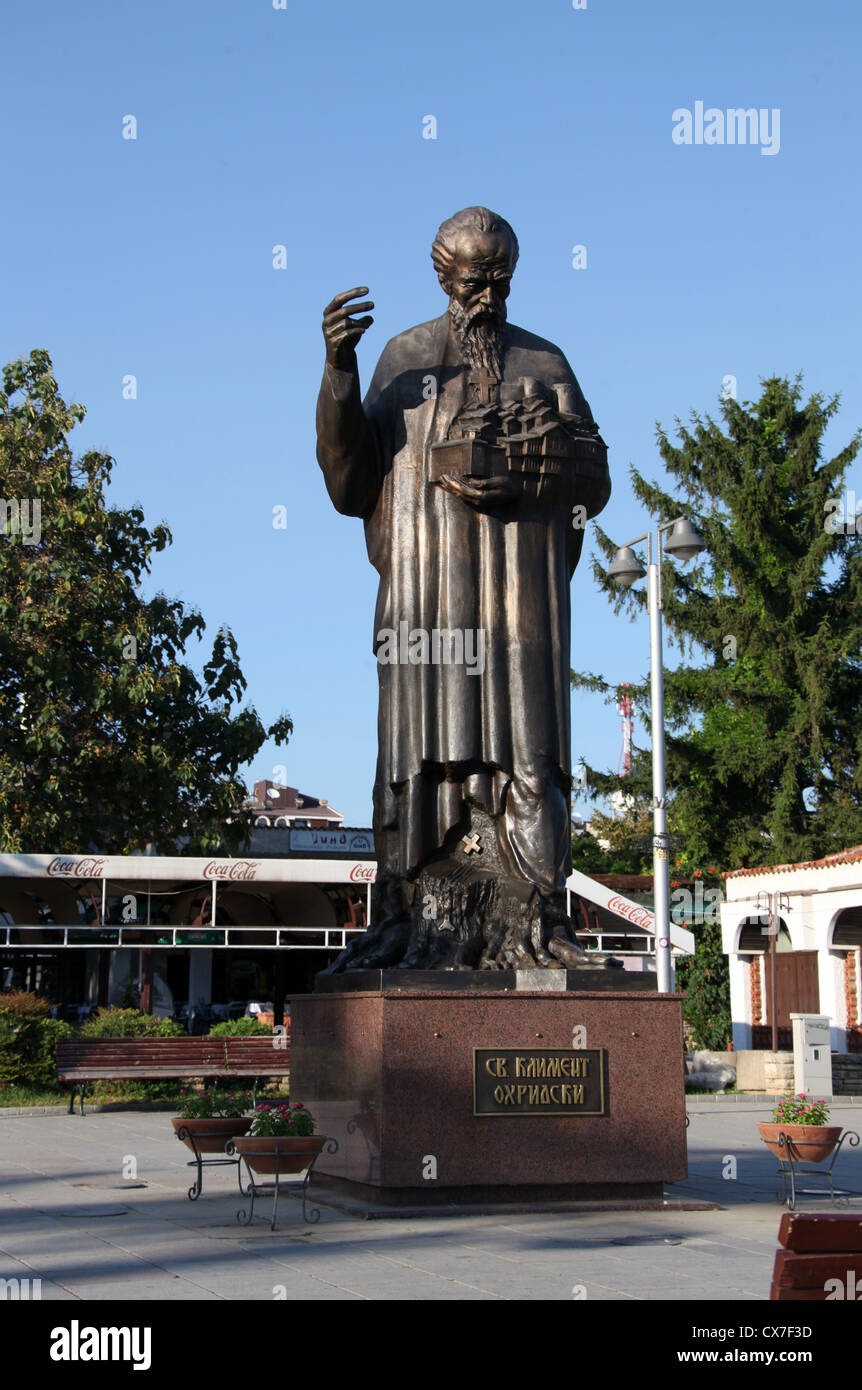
442	922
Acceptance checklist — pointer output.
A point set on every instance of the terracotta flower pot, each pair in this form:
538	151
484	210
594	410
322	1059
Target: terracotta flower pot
294	1153
210	1135
806	1143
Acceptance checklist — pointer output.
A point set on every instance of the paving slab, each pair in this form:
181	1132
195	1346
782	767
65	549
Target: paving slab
96	1207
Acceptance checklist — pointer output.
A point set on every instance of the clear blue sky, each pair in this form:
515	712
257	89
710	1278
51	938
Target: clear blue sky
303	127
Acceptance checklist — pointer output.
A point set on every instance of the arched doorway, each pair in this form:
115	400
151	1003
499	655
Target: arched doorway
846	940
797	982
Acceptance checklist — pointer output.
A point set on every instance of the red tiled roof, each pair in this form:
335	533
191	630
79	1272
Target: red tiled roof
844	856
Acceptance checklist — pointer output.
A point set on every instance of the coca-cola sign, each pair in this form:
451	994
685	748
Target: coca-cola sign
363	873
640	916
232	870
86	867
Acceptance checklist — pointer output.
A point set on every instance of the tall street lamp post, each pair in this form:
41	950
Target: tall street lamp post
626	569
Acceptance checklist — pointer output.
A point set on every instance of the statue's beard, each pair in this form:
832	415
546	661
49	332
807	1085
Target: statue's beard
479	339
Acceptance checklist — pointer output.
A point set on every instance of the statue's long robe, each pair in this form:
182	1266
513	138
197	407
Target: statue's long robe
500	739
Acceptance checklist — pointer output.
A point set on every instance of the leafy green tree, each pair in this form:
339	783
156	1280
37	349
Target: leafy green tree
628	851
705	979
764	741
628	835
108	740
588	855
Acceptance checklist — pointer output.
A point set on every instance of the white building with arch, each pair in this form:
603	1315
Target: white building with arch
814	911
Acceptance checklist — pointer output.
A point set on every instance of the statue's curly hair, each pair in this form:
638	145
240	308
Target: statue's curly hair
468	219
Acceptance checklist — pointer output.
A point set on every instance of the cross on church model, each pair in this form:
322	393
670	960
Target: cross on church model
485	386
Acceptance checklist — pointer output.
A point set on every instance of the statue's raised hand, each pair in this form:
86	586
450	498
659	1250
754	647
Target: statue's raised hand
342	332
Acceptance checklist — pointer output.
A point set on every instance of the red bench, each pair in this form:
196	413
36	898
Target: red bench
821	1258
80	1060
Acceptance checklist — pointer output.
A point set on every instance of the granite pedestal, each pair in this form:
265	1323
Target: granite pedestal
389	1072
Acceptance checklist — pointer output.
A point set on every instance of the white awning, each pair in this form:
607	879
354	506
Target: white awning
634	913
154	868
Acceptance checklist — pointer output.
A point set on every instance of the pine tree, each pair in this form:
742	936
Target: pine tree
764	740
107	740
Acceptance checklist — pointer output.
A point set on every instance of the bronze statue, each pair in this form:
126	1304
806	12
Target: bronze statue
474	463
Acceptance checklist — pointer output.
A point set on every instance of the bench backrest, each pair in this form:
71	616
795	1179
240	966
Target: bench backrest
821	1258
79	1053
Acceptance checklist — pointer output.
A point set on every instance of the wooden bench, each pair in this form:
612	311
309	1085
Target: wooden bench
821	1258
83	1060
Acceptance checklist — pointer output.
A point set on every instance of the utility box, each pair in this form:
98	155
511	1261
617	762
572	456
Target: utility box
812	1054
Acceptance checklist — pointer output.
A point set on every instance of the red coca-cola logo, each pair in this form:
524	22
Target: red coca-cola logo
638	915
235	870
363	873
88	867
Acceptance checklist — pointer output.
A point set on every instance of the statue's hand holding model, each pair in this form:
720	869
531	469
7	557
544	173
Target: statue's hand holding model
474	462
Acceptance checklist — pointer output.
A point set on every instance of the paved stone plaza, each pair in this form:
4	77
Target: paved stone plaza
69	1218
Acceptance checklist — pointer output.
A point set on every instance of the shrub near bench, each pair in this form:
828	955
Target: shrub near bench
27	1038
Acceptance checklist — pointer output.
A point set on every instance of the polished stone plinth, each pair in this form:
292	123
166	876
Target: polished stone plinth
487	981
389	1073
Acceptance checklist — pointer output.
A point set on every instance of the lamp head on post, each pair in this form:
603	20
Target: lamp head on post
683	543
626	568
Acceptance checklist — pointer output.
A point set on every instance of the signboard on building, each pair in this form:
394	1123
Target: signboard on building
331	841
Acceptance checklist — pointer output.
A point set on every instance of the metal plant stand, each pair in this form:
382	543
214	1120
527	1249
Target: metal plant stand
199	1161
792	1168
255	1189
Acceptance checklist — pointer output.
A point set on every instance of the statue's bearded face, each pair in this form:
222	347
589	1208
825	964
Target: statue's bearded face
478	288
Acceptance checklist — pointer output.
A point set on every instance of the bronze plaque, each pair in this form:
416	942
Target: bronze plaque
538	1081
